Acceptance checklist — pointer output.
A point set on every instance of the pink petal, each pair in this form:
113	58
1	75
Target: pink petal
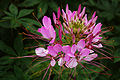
97	28
70	54
94	20
54	17
79	9
96	39
73	48
100	45
93	16
85	52
52	34
66	58
73	15
41	52
81	44
71	63
58	13
57	48
61	61
90	57
52	62
82	13
44	32
51	51
66	49
69	15
46	22
64	14
85	20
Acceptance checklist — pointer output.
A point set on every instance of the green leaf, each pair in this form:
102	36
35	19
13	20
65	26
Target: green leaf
117	54
9	77
7	13
30	21
115	41
92	2
14	23
6	49
5	60
7	18
28	24
18	45
19	73
53	5
42	9
24	12
13	9
5	24
29	3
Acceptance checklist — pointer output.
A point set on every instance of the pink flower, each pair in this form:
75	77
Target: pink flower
47	30
53	50
83	33
69	50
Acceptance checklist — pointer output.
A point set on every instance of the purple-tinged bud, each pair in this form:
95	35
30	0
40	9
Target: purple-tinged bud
93	16
79	9
58	13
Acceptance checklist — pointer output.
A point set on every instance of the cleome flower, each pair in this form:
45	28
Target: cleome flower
77	38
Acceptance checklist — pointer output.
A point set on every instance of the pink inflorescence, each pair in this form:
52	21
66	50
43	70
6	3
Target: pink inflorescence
77	38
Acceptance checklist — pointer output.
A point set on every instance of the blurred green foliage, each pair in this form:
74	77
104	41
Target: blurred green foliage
16	14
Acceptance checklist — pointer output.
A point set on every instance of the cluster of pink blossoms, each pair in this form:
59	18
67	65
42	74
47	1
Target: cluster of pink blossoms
77	38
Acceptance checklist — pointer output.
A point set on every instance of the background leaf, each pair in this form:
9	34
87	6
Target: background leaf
42	8
24	12
6	49
13	9
18	45
29	3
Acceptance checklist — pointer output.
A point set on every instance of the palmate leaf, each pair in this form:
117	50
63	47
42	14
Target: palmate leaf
13	9
30	21
24	12
30	25
29	3
8	13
